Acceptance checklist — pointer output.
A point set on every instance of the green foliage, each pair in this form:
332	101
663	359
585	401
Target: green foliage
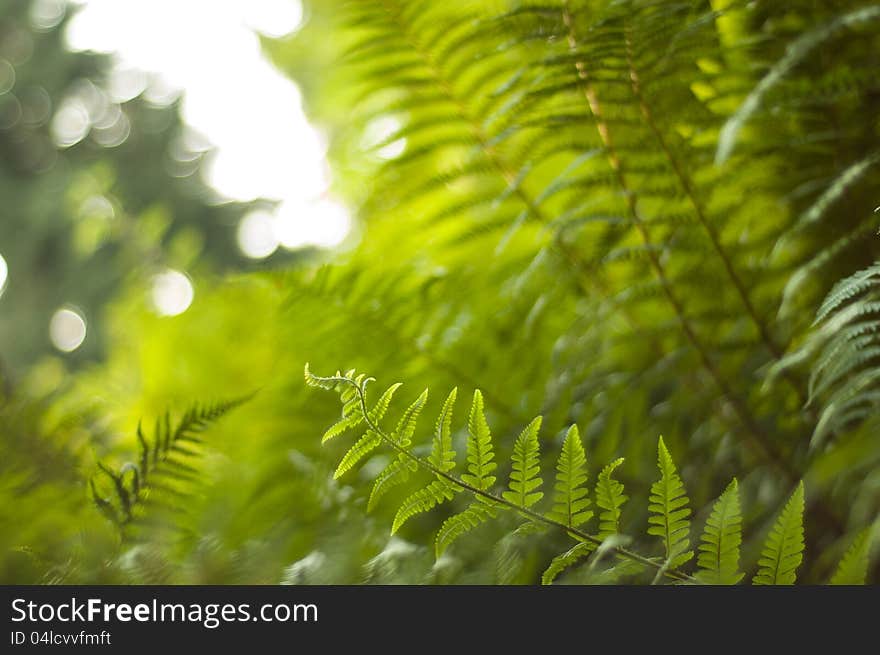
609	498
617	215
571	500
720	544
718	561
783	551
479	448
853	568
525	476
164	468
668	506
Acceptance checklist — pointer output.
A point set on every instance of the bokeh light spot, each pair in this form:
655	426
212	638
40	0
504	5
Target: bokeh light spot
7	76
67	329
257	236
324	223
274	18
125	84
4	275
46	14
172	293
379	138
70	124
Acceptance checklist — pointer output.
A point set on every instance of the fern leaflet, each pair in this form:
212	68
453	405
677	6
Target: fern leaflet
479	448
526	474
668	504
477	513
853	568
783	551
571	497
609	498
718	557
565	561
442	453
423	500
361	449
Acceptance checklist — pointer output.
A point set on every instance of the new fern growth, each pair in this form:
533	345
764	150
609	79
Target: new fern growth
163	470
569	510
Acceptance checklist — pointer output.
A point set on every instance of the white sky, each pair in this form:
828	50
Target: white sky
251	113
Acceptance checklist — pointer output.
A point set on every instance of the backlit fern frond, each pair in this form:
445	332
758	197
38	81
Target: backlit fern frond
610	499
783	550
589	148
670	512
525	477
571	497
719	551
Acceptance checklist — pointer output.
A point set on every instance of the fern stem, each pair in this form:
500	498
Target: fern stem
700	212
536	516
587	281
759	439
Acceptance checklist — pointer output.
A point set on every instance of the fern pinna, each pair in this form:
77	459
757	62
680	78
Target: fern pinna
718	560
163	470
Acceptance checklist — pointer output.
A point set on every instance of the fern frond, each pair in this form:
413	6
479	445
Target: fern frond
718	557
342	426
566	560
609	498
362	448
847	289
162	464
396	473
853	568
406	426
524	480
571	497
377	413
525	476
423	500
456	526
783	550
480	452
442	454
670	511
794	54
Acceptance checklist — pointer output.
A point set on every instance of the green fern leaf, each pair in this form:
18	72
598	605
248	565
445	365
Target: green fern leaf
609	498
783	551
423	500
853	568
479	448
565	561
361	449
403	433
571	498
442	454
395	474
476	514
525	476
668	505
378	411
342	426
718	557
162	465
